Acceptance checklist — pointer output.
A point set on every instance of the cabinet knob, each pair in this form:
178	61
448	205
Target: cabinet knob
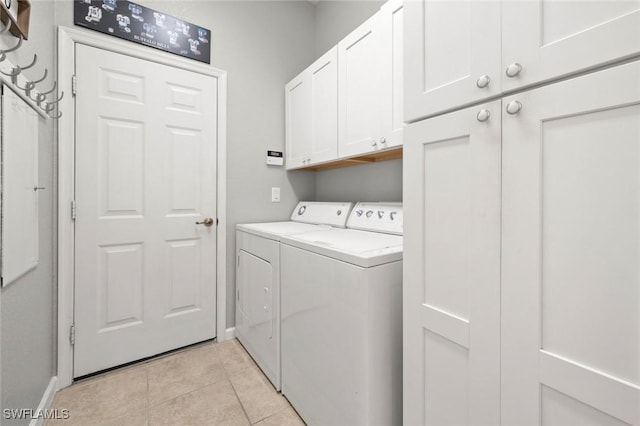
483	115
513	107
483	81
513	70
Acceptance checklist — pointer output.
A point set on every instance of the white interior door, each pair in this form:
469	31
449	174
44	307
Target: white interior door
452	269
145	278
570	270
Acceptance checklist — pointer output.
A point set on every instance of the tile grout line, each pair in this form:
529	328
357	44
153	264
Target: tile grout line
238	398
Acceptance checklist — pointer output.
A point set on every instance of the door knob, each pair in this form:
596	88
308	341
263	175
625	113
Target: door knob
483	115
483	81
513	70
514	107
206	222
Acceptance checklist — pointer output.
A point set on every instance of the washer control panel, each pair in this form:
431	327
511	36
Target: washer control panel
377	217
317	212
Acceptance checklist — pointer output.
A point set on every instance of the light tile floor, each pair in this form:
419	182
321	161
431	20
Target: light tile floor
210	384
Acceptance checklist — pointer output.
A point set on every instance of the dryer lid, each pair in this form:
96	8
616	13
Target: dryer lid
334	214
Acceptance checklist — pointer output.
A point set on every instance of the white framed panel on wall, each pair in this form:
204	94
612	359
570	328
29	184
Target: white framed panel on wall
19	187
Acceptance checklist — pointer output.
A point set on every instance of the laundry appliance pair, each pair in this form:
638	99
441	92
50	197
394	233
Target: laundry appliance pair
319	308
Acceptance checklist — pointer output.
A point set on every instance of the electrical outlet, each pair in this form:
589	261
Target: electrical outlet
275	194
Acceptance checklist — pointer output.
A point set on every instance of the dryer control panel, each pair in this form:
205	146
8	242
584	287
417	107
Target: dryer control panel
317	212
377	217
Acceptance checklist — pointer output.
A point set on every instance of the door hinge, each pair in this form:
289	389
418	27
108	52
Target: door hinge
72	334
73	210
217	221
74	85
238	260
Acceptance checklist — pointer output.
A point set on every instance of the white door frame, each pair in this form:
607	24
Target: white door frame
67	39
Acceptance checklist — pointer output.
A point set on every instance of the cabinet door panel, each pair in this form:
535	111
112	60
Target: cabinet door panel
298	119
448	46
392	119
359	62
452	269
551	38
324	87
571	227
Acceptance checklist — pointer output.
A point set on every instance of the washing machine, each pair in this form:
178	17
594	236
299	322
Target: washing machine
341	320
258	278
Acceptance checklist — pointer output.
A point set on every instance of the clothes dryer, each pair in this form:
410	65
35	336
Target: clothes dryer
258	278
342	320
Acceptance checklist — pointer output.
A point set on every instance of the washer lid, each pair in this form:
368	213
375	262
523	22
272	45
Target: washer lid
361	248
274	230
334	214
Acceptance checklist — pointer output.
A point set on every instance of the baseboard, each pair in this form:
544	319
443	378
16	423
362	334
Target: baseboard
230	333
45	402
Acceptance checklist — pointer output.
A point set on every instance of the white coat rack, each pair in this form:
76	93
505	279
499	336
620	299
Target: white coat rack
43	101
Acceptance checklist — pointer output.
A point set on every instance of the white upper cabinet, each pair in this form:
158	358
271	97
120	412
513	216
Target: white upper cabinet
312	113
452	55
391	83
552	38
360	71
461	52
370	83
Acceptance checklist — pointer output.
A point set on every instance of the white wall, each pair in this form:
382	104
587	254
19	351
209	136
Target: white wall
372	182
28	314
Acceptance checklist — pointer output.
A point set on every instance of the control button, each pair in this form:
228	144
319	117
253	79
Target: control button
301	210
380	214
370	213
392	215
339	212
359	213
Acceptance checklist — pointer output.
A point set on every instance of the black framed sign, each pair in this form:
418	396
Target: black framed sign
133	22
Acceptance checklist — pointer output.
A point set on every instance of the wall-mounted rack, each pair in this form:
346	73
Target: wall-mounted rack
43	101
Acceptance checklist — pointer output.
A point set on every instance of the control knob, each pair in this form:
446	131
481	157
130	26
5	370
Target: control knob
369	213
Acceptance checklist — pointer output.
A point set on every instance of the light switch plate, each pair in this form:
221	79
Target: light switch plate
275	194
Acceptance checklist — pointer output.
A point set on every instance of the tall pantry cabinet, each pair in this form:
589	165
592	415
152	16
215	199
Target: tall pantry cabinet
522	216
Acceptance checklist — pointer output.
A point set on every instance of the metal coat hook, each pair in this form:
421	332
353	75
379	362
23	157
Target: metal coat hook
17	69
3	52
30	85
42	96
51	103
51	106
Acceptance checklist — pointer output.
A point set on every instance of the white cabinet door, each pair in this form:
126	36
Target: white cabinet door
452	55
452	269
323	75
391	83
570	270
298	119
554	38
312	113
360	70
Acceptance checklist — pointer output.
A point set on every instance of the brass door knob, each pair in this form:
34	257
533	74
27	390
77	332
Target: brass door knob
206	222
